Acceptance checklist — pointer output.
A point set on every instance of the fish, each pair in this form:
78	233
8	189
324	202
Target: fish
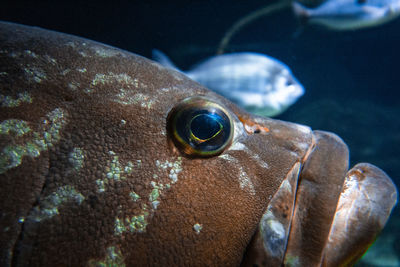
344	15
256	82
110	159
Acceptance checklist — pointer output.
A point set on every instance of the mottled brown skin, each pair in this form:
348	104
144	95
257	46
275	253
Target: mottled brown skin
96	180
207	191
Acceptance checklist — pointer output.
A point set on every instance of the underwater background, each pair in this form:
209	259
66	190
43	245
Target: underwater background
351	78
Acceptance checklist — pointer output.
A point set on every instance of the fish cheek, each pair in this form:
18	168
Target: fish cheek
211	196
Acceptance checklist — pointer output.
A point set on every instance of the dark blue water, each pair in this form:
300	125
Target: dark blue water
352	79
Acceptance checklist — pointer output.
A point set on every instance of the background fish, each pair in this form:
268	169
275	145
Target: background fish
349	14
256	82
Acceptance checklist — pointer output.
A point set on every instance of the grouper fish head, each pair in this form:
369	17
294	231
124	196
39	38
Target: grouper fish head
108	158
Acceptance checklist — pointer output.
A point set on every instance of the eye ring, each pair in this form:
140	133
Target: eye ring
200	127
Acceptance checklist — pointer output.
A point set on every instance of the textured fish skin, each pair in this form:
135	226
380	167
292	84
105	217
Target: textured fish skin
95	180
89	175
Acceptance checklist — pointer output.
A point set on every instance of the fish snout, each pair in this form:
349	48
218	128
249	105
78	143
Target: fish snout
323	214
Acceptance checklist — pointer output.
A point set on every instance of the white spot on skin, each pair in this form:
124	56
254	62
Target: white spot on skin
137	223
155	194
128	98
50	59
82	70
302	146
35	74
176	168
122	78
228	158
197	228
13	154
76	158
244	180
30	53
7	101
135	197
350	185
105	52
48	207
273	234
101	187
242	147
238	146
113	258
286	185
277	228
65	72
17	127
114	170
73	85
303	129
239	132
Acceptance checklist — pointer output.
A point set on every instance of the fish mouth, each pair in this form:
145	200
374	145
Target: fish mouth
359	214
295	91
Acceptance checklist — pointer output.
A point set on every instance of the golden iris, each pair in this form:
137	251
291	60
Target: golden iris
200	127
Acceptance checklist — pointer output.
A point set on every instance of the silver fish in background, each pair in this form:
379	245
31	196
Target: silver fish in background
256	82
349	14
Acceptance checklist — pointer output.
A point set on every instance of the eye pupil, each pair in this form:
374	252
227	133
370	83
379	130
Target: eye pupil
204	127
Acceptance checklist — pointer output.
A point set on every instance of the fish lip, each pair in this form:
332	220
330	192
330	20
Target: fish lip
269	241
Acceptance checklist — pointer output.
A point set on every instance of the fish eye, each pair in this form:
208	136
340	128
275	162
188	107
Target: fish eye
200	127
361	1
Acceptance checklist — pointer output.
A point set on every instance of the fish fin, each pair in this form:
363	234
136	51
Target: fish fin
302	12
163	59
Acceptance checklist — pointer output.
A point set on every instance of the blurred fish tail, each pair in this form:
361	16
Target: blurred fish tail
163	59
302	12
